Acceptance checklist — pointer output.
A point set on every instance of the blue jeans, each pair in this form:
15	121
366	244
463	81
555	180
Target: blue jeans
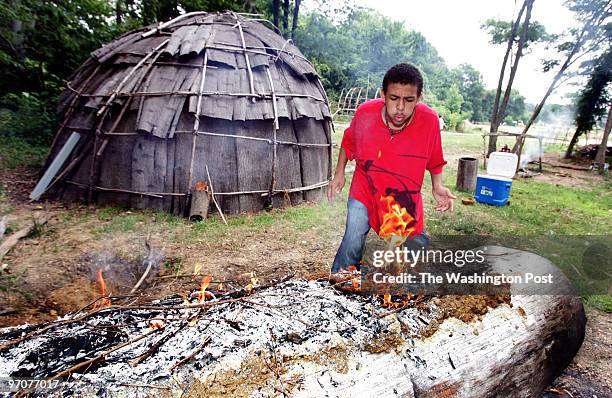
355	233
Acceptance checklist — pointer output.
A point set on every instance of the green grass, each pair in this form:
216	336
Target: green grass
535	208
16	152
12	283
121	219
601	302
537	212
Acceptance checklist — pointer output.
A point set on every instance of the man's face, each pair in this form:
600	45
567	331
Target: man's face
400	100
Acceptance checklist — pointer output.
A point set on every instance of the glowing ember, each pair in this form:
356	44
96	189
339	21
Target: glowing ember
102	291
157	324
205	282
396	220
387	300
253	284
201	186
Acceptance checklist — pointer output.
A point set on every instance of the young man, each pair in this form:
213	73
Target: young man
393	140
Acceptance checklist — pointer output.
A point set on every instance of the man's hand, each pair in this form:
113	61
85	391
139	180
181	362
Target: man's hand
335	186
444	198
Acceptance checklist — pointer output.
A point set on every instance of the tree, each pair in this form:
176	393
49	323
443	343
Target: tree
595	29
600	158
296	12
285	17
471	89
591	104
276	12
498	32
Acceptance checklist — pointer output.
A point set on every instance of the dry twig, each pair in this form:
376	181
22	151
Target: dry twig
190	356
149	266
100	357
212	194
13	239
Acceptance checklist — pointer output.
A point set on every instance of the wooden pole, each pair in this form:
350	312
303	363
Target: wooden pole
274	130
246	55
196	123
212	195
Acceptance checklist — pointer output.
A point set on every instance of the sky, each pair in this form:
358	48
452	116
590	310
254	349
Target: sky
453	28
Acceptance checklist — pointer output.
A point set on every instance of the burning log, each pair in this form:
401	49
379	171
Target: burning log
305	338
200	201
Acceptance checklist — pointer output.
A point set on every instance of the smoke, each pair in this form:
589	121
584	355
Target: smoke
121	274
531	152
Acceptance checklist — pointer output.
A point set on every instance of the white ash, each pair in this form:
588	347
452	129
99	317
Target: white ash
292	319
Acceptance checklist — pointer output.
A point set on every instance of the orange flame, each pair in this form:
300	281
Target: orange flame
395	219
253	284
103	302
201	186
205	282
387	300
157	324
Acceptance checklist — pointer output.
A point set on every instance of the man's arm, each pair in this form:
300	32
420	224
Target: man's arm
337	182
443	196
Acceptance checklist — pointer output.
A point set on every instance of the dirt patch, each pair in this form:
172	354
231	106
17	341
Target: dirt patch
468	308
260	371
54	273
464	308
565	172
18	183
588	375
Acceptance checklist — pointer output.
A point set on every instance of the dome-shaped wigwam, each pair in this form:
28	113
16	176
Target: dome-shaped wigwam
147	114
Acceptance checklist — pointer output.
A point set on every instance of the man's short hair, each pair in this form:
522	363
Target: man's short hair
404	74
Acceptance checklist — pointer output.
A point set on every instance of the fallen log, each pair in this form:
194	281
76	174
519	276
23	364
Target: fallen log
305	339
13	239
567	166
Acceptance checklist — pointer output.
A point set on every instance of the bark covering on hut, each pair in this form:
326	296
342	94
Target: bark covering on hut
159	105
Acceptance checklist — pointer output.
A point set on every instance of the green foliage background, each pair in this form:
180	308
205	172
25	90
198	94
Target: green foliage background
43	42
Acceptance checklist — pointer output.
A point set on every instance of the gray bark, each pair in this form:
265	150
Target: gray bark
496	116
601	152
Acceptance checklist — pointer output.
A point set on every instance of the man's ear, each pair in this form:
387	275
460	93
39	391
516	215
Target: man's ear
382	93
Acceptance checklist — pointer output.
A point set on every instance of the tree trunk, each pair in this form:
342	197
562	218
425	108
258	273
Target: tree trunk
294	22
572	144
601	153
118	12
518	146
275	12
586	32
148	12
286	18
495	117
514	68
17	38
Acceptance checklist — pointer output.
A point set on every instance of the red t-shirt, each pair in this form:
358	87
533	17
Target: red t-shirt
389	170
